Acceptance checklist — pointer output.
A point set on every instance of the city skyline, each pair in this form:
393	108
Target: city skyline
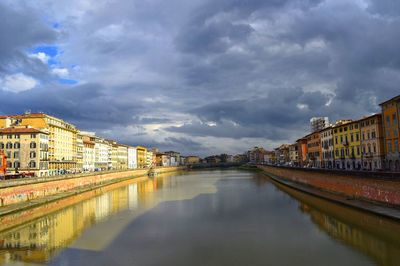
212	78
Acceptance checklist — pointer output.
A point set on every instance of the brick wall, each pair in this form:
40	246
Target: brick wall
17	191
358	186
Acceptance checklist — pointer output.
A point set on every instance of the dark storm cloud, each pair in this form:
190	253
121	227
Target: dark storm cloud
255	70
22	28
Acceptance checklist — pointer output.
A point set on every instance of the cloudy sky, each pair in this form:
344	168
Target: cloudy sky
199	76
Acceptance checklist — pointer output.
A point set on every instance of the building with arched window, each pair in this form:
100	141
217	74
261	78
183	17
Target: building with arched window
27	149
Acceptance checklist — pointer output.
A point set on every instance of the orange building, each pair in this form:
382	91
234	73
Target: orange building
303	151
391	127
314	149
3	163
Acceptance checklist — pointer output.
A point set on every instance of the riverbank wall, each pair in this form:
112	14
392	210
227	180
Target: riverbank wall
29	189
382	188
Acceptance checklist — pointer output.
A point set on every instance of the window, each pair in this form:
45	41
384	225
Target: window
394	120
395	133
352	137
358	150
33	145
357	137
387	121
9	145
9	164
396	146
17	164
17	136
9	136
16	155
32	164
373	134
1	145
17	145
32	154
389	146
33	136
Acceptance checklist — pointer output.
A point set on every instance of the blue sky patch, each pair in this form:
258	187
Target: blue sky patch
50	50
68	81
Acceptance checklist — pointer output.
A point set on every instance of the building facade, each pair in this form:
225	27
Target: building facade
62	138
26	149
302	151
314	149
89	153
141	156
327	148
122	162
102	154
372	143
294	154
319	123
391	128
132	158
347	145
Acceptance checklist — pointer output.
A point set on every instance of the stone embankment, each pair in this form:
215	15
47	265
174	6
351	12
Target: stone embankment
351	186
19	191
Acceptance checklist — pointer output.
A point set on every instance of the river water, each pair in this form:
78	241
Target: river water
226	217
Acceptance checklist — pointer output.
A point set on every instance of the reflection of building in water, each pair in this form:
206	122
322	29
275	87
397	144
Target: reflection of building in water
39	240
382	251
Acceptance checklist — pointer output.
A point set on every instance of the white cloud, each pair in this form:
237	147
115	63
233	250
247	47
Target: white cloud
17	83
41	56
60	72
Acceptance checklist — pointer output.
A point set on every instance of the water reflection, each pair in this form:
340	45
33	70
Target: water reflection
41	239
255	214
375	236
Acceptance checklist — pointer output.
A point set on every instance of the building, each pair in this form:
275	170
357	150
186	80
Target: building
314	149
372	142
149	159
122	158
347	145
391	128
162	159
192	160
113	158
89	154
102	154
293	155
302	151
269	157
26	149
79	152
174	157
62	138
319	123
132	158
327	148
141	156
256	155
282	154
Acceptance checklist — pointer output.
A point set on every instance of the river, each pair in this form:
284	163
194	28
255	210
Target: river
218	217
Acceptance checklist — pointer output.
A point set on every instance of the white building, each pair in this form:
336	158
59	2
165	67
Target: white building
89	155
102	154
132	158
319	123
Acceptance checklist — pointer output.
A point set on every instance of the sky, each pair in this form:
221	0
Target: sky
200	76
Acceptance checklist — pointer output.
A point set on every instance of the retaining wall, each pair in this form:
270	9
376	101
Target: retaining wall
22	190
347	184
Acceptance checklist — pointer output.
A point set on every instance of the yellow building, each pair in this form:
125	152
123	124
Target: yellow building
26	149
141	156
79	152
62	139
346	138
122	157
